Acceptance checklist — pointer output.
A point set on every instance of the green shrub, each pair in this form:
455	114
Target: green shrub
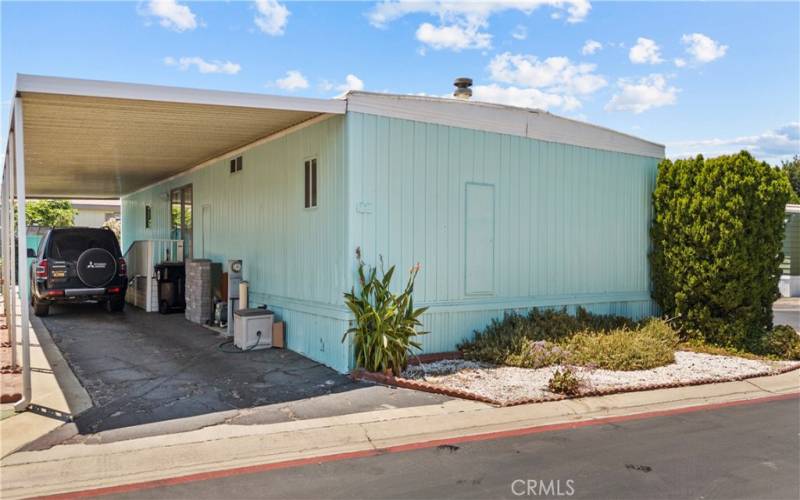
536	354
650	346
782	342
717	236
564	381
385	323
511	340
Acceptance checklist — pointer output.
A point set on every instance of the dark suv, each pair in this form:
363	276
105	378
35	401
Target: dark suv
78	264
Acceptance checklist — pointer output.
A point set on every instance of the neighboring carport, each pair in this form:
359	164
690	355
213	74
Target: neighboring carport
73	138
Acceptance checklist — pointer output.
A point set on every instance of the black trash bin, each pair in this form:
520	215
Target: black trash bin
171	279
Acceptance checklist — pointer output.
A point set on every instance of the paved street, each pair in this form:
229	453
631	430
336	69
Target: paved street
737	452
787	312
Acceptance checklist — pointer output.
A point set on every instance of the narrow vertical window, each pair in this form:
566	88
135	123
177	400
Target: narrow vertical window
148	216
310	185
314	182
307	188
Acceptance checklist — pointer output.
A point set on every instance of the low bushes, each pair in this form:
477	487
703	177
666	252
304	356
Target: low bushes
782	342
526	340
546	338
649	346
565	381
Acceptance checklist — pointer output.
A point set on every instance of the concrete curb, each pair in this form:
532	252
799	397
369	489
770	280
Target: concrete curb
76	396
56	392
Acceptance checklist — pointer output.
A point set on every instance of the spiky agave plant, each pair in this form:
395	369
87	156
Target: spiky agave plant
385	323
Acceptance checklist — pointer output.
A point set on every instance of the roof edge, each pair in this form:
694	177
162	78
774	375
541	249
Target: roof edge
147	92
500	118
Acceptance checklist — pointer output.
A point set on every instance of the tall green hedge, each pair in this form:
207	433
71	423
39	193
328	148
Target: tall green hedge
717	236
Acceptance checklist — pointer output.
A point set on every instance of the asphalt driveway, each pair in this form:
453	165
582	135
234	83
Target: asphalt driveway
142	368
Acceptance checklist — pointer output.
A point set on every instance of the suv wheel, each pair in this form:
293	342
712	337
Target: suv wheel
40	308
116	304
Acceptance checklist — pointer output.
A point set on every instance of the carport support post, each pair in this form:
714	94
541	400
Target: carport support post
4	222
12	273
8	257
22	254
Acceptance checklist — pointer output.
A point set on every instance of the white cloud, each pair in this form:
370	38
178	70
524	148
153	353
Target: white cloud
554	73
294	80
519	33
271	17
555	82
171	14
203	66
590	47
453	37
680	62
646	93
351	82
772	145
523	97
702	48
463	25
645	52
391	10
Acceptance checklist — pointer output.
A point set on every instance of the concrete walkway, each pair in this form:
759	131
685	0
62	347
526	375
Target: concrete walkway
57	394
77	467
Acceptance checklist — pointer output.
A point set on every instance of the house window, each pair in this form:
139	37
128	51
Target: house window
148	216
311	183
236	164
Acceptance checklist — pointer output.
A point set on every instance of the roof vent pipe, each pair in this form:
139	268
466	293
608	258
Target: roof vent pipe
463	90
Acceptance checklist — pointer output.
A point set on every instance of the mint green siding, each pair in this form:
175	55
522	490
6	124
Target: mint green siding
295	259
570	224
498	222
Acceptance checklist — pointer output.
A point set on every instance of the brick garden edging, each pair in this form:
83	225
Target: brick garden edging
421	385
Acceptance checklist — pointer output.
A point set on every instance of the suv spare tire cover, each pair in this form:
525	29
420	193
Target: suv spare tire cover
96	267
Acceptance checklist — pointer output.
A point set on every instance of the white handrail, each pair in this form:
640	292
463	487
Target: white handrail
141	257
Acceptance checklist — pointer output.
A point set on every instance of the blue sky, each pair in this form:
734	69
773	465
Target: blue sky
706	77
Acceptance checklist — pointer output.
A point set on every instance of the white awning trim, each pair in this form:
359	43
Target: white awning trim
145	92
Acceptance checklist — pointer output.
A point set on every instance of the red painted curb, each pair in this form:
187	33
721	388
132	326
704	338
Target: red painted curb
203	476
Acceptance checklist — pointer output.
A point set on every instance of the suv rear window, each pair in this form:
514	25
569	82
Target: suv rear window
69	245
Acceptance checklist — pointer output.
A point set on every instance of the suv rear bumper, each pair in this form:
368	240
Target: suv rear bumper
79	294
82	292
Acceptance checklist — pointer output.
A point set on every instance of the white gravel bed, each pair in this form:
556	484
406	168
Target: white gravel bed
506	383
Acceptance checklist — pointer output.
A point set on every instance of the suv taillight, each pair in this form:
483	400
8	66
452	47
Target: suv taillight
41	269
123	267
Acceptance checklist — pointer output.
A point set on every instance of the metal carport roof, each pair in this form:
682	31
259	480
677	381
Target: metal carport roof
92	139
96	139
